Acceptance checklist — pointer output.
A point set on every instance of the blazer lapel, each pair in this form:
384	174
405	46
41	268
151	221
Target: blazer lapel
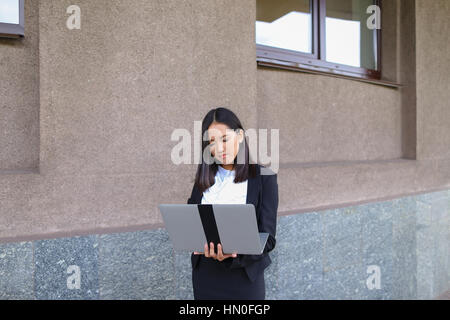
198	197
253	186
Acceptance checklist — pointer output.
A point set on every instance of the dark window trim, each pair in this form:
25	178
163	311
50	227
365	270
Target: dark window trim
290	59
11	30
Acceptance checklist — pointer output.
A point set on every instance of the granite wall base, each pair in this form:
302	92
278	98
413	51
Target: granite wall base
398	249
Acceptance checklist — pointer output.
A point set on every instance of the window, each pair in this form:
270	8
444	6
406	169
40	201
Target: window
11	18
329	36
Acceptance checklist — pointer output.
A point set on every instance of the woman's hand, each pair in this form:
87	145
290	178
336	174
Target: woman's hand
216	256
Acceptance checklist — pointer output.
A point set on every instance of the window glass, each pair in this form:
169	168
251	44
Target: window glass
9	11
285	24
348	39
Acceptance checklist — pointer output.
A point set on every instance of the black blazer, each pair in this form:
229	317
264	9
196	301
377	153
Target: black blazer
262	192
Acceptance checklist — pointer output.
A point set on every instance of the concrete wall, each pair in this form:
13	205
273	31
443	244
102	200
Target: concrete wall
19	97
433	94
86	115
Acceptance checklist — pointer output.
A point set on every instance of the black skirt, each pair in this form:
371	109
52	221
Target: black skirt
212	280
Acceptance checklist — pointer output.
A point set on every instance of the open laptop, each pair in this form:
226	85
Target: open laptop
234	226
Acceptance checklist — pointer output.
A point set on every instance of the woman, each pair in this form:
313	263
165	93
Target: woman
228	177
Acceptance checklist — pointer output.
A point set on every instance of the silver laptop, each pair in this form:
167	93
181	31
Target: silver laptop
190	226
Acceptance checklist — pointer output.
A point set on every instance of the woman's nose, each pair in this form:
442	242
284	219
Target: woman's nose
220	147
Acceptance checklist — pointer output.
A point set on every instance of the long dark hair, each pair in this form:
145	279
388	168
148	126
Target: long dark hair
205	176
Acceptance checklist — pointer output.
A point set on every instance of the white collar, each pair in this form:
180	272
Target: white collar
223	173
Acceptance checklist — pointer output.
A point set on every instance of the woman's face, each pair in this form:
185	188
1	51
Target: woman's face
224	142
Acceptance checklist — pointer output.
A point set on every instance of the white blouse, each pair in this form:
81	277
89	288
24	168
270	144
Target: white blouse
224	190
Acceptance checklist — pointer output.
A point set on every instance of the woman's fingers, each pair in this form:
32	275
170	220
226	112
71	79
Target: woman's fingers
223	256
206	250
231	255
211	250
210	253
220	256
